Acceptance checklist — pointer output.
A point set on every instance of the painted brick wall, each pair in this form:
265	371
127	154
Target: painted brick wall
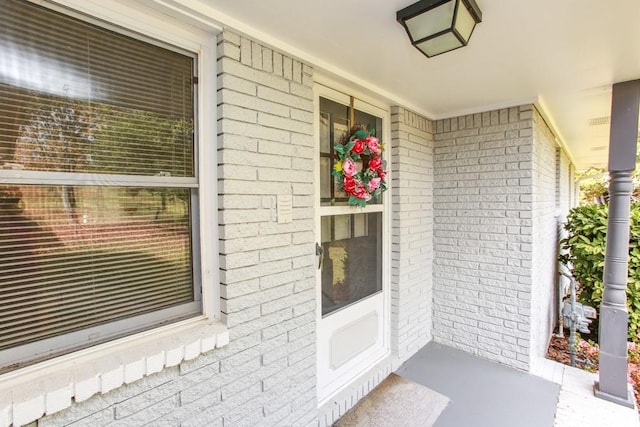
483	234
412	228
565	179
266	374
550	196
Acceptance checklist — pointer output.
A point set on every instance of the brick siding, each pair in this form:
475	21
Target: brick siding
500	181
549	180
483	234
412	239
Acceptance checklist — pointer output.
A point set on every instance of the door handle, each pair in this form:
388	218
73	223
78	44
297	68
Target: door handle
320	254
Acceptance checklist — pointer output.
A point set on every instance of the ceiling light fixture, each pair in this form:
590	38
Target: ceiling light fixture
438	26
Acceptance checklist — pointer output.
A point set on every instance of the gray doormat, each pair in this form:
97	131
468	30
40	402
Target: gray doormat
396	402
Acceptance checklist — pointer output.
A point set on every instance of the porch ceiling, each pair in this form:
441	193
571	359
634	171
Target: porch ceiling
562	55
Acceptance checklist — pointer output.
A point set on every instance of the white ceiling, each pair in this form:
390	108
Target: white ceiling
563	55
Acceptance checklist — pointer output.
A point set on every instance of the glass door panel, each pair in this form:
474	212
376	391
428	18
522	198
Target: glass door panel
334	127
352	264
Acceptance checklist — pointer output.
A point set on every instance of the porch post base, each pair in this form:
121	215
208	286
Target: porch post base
629	402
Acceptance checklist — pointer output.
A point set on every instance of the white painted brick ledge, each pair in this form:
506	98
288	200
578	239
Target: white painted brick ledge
51	386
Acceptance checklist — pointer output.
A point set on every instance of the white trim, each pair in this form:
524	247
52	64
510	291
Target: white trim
207	173
349	210
484	108
134	16
540	105
89	354
341	92
186	14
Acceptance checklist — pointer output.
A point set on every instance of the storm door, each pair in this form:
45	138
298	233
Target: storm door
351	255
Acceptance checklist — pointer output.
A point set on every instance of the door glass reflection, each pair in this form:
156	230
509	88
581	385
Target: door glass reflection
352	266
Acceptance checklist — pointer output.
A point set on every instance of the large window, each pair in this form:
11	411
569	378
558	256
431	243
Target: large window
98	184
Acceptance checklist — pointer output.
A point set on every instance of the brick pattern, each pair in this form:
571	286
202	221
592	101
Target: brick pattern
412	232
266	374
549	178
483	233
565	182
266	148
575	188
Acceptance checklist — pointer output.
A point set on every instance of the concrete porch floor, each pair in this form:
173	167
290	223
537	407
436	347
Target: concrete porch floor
484	393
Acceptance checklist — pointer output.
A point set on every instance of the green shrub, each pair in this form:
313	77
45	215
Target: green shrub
585	249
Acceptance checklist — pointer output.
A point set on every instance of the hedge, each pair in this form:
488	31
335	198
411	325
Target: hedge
584	248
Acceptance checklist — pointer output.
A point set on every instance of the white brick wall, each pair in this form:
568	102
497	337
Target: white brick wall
550	197
266	374
565	181
483	234
500	183
412	240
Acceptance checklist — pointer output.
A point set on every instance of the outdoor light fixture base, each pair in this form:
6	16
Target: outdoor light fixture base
629	402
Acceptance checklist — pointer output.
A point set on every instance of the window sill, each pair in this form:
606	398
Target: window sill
29	393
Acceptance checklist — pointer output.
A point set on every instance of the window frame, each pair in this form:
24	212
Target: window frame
201	45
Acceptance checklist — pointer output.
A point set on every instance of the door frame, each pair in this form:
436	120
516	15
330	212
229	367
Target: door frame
369	358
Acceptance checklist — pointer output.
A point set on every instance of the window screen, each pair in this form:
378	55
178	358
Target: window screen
98	184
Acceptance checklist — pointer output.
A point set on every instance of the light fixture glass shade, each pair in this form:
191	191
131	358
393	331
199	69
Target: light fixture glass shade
437	45
438	19
464	23
438	26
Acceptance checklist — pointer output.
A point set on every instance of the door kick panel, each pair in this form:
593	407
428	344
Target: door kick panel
353	338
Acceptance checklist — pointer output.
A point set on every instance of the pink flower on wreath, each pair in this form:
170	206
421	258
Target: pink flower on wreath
349	167
382	174
362	193
374	184
375	163
358	147
374	145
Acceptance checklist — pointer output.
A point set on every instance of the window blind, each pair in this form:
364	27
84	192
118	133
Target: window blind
76	98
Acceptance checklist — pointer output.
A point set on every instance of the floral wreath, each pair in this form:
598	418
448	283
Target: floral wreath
369	182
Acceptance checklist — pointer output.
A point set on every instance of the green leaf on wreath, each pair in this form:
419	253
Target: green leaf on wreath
361	134
349	146
339	148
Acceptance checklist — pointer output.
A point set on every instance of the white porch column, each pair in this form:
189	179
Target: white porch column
614	317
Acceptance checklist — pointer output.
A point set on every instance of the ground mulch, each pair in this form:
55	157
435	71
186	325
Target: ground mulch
558	350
